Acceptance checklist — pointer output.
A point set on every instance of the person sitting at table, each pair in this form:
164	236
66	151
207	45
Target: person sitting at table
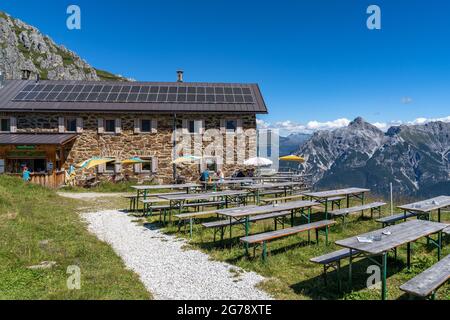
204	176
221	176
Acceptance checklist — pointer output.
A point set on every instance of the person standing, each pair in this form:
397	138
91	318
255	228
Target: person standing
26	175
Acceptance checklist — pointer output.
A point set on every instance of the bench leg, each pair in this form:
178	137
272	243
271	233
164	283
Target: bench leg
317	236
191	222
338	271
264	253
325	278
408	255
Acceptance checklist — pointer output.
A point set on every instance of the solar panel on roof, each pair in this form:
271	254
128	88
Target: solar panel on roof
135	89
116	89
137	93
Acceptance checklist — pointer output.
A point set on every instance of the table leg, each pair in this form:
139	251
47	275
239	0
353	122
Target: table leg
408	255
190	225
362	198
350	265
383	277
326	209
348	201
439	215
247	218
439	245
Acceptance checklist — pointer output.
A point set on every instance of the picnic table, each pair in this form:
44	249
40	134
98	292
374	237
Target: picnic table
243	214
179	200
426	207
215	182
380	242
256	188
144	189
324	196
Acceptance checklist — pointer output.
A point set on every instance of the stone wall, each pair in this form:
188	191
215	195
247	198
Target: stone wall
128	144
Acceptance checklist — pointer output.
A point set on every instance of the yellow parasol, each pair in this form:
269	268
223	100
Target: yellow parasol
93	162
135	160
186	159
292	158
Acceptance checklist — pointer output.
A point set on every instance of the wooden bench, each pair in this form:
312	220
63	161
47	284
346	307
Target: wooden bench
335	201
333	260
223	224
342	213
447	231
390	220
276	200
263	238
191	216
133	202
428	282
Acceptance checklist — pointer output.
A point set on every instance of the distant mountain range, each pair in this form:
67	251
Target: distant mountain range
415	158
23	47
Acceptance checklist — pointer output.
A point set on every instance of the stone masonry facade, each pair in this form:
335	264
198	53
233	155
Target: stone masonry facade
126	142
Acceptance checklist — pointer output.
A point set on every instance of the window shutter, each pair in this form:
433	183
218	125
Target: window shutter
13	124
61	126
223	129
185	126
118	126
239	126
79	125
137	125
101	128
137	168
154	126
117	168
154	164
101	168
200	124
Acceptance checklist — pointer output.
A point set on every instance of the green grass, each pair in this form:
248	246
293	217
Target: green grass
31	214
292	276
108	76
104	187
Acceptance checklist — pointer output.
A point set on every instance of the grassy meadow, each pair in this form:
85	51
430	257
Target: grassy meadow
290	273
37	225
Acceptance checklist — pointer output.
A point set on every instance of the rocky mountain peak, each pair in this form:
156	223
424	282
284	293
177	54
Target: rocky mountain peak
24	47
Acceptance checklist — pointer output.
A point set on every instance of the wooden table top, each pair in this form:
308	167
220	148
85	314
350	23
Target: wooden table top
427	205
167	186
202	196
401	234
335	193
257	210
271	185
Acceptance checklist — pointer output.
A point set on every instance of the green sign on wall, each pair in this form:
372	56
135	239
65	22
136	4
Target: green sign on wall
25	147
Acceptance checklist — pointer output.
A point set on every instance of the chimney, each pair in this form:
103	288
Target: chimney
2	79
180	75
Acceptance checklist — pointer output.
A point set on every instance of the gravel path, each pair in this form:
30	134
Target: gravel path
90	195
168	270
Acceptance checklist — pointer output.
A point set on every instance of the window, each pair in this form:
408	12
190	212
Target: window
147	166
110	126
146	125
194	126
5	125
71	125
211	165
110	167
231	125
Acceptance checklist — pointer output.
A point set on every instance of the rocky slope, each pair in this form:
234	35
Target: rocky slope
23	47
416	159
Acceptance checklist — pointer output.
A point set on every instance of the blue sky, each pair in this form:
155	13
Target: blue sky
314	60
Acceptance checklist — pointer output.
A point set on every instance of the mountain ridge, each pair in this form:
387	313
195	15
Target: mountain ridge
415	158
24	47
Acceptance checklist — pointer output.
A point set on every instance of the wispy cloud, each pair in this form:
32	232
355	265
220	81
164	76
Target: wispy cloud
288	126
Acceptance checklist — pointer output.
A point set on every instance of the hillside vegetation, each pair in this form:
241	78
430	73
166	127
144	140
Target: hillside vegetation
37	225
